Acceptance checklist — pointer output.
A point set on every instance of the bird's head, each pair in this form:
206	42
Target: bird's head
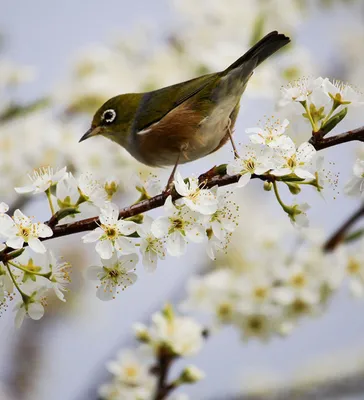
114	118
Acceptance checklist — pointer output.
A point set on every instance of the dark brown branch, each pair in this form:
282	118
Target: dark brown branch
340	234
214	177
320	143
164	361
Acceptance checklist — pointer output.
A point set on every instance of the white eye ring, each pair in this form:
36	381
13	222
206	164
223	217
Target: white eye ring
109	115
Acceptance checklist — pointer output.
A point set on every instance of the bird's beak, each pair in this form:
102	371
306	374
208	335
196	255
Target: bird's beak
91	132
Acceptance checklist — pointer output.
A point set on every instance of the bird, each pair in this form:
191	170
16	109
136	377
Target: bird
186	121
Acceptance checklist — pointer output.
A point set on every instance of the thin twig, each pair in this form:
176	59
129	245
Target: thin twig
339	235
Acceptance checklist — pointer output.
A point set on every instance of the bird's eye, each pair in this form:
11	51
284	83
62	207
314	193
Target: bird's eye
108	116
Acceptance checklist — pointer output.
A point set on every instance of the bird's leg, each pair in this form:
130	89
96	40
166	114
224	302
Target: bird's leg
182	150
236	154
171	177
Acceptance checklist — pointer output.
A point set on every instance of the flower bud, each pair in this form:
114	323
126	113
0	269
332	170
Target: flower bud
267	186
191	374
293	187
141	333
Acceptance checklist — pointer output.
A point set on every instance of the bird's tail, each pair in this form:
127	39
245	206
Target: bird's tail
263	49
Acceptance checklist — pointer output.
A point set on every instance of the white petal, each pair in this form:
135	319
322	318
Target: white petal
257	139
305	152
93	236
44	230
3	207
218	230
358	168
19	317
106	293
302	173
196	233
130	279
94	273
150	260
169	207
160	227
15	242
36	245
126	227
109	214
176	245
129	261
25	189
281	171
105	249
180	185
244	180
35	311
354	186
124	246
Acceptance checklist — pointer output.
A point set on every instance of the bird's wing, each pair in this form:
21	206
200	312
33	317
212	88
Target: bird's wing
158	103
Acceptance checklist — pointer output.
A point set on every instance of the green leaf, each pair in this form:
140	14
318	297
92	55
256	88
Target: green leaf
354	236
333	121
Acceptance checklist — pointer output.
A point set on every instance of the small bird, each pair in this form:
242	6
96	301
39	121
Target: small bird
186	121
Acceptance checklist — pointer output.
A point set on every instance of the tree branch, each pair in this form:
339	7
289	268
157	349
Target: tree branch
340	234
216	176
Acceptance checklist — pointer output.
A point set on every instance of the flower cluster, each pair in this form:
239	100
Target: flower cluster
31	271
135	371
267	293
200	216
274	157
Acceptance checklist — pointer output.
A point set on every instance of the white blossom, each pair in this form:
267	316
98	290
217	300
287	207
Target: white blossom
24	230
253	160
180	225
272	135
67	190
59	278
181	334
298	215
42	179
116	272
355	185
151	247
92	190
355	271
302	90
296	161
110	235
200	200
33	307
342	93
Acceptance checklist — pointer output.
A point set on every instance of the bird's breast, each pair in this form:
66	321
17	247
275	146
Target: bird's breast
184	133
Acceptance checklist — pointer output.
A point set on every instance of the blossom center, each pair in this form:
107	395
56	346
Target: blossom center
250	164
224	311
256	323
111	233
298	280
291	162
353	266
299	306
131	372
260	292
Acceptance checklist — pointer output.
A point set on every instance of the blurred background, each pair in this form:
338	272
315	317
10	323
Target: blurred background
58	63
